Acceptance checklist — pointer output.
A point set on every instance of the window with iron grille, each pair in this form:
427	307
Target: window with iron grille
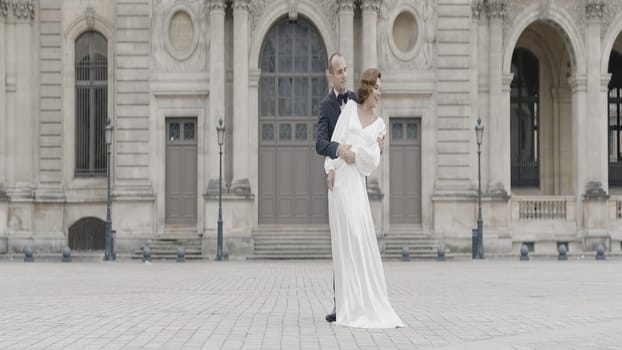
524	116
614	114
91	69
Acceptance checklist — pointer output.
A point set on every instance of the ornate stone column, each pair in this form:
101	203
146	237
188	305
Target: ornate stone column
240	183
217	86
346	35
596	163
498	129
595	159
370	37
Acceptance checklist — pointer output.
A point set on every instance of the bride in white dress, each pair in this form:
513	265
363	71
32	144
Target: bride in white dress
360	288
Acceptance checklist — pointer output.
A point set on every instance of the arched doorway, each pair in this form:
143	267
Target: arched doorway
541	112
292	187
87	234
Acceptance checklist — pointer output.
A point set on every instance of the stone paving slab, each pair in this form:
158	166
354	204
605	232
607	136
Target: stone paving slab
460	304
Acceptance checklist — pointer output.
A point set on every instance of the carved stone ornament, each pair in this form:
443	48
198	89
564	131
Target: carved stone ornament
497	8
178	45
419	56
594	10
241	5
89	13
4	8
24	9
217	5
345	5
477	8
326	8
372	5
293	10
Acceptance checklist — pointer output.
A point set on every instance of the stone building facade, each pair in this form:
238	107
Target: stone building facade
543	76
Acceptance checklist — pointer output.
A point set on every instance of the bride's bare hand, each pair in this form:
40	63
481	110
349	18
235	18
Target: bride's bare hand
330	179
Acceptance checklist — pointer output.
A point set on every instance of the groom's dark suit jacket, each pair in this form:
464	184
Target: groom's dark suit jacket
329	113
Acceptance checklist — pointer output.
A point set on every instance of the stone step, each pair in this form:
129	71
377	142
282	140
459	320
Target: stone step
165	248
292	243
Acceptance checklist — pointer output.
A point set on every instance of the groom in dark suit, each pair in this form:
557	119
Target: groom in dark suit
330	108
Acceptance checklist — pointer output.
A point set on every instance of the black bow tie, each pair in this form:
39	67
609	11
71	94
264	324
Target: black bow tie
342	99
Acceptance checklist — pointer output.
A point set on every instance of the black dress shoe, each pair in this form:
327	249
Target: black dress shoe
331	317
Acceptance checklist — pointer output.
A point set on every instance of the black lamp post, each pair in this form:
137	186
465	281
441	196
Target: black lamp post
109	249
479	133
220	130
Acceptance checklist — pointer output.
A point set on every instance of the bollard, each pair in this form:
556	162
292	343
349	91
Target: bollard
225	253
562	252
66	254
524	253
146	253
181	254
600	252
405	254
474	234
440	253
28	255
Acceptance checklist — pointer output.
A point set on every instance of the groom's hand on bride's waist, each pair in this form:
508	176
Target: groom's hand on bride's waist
344	152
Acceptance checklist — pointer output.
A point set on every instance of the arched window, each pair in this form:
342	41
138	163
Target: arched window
524	115
614	113
91	104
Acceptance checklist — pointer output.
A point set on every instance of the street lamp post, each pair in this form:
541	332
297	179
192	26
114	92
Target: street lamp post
109	248
220	130
479	133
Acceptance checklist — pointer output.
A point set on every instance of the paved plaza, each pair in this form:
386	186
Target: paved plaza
458	304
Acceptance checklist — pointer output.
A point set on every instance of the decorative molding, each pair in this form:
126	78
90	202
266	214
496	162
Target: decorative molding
241	5
345	5
24	9
497	8
89	13
422	55
4	8
293	10
477	8
370	5
164	55
594	10
594	191
545	9
214	5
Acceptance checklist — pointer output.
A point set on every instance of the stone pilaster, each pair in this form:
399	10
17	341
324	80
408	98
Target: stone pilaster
369	43
240	183
499	140
217	83
346	28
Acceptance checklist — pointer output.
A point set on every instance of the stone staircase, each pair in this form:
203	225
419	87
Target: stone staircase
165	248
294	242
419	245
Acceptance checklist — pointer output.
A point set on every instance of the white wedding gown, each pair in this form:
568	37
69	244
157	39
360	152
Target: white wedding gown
360	288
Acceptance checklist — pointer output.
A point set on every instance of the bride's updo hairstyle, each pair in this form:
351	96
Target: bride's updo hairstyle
369	78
